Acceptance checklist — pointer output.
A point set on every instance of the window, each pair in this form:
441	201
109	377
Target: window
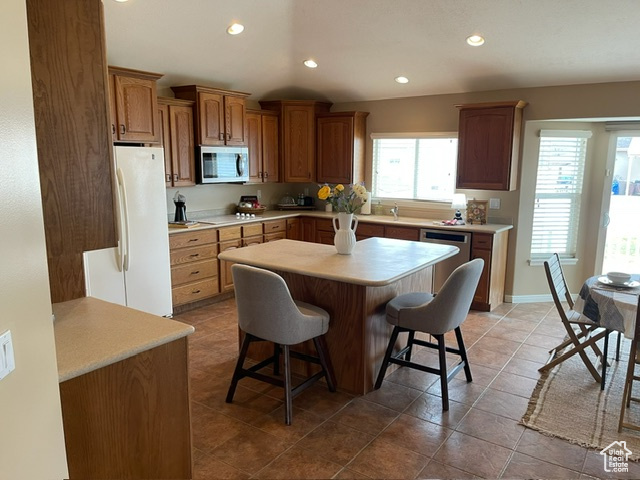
415	166
558	195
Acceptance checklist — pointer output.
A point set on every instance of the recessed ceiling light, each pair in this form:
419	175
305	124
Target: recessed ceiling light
475	40
310	63
235	29
402	79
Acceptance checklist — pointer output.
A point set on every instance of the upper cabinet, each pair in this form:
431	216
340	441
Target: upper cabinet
297	137
133	106
262	140
176	136
340	147
488	145
220	114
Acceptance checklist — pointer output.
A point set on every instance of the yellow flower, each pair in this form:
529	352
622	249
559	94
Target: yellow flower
324	192
339	188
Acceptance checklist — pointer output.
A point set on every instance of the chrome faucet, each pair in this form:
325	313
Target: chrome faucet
394	210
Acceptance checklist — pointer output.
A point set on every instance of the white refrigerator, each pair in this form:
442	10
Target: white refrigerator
137	272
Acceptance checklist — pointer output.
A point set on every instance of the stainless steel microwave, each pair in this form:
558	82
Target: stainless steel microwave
223	164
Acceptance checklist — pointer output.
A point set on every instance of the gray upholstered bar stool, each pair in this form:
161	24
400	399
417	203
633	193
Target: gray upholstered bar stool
435	315
267	312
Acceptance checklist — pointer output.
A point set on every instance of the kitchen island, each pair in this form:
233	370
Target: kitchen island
354	289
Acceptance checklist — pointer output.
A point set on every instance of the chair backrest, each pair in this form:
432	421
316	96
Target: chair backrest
558	285
450	307
265	306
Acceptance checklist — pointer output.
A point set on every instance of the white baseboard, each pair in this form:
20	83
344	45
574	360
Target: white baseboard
528	298
531	298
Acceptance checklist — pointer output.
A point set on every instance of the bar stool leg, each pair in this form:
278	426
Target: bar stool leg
288	405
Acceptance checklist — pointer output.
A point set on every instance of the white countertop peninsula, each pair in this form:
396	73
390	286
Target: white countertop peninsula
354	289
124	391
91	334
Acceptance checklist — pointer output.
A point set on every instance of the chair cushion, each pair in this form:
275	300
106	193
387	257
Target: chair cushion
407	300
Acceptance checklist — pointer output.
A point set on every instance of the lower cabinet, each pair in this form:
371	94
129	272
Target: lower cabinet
368	230
275	230
130	419
492	248
324	232
194	266
230	238
294	228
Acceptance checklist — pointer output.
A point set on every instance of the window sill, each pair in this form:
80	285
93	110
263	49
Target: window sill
538	262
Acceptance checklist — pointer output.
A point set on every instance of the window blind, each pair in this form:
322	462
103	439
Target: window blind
556	216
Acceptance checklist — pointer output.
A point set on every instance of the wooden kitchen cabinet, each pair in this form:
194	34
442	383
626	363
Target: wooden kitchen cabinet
262	140
133	105
230	238
252	234
368	230
176	136
297	131
488	145
219	114
71	113
274	230
294	228
340	139
402	233
492	248
194	266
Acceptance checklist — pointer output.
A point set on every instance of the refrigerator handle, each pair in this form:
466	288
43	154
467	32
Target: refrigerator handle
124	222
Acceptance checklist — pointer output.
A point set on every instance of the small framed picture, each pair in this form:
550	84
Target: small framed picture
477	211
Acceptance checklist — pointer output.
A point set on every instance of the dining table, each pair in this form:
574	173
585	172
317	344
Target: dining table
611	306
354	289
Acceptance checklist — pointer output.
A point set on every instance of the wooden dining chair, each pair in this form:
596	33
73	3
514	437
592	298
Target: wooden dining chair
627	395
586	332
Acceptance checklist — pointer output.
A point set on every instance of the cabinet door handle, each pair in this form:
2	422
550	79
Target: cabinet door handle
113	129
194	255
168	177
175	177
193	239
221	136
195	291
196	272
261	174
266	174
123	130
228	136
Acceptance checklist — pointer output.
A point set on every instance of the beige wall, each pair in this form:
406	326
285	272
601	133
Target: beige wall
31	436
437	113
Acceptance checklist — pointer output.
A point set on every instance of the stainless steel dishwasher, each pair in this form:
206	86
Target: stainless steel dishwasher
443	269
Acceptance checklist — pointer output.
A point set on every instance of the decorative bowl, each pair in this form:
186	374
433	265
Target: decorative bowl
618	277
254	210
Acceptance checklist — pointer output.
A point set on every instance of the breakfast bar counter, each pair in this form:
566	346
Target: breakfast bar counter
354	289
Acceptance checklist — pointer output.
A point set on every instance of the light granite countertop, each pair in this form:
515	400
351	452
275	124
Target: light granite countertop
91	334
230	220
373	262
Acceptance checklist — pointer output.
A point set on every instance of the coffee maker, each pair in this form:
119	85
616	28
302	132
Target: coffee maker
181	208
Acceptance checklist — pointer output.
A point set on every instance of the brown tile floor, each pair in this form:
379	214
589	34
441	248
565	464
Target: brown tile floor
399	431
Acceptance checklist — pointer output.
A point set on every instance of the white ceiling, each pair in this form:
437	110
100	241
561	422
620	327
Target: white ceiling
361	45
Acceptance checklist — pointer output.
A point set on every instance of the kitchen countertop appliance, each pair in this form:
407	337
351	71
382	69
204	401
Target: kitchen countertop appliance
443	269
137	272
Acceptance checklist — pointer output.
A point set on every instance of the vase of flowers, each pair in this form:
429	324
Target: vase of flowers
346	203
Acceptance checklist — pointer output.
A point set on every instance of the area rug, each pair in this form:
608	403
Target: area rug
567	403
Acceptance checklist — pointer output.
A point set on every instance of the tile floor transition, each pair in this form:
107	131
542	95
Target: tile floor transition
399	431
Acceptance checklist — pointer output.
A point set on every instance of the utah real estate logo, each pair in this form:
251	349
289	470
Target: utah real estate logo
616	457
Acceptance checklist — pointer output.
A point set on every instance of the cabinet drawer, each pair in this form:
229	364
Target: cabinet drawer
402	233
253	240
191	239
191	272
370	230
192	292
229	233
275	226
193	254
482	240
251	229
270	237
324	225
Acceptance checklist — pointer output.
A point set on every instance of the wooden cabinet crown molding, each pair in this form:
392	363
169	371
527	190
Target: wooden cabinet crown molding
130	72
181	90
